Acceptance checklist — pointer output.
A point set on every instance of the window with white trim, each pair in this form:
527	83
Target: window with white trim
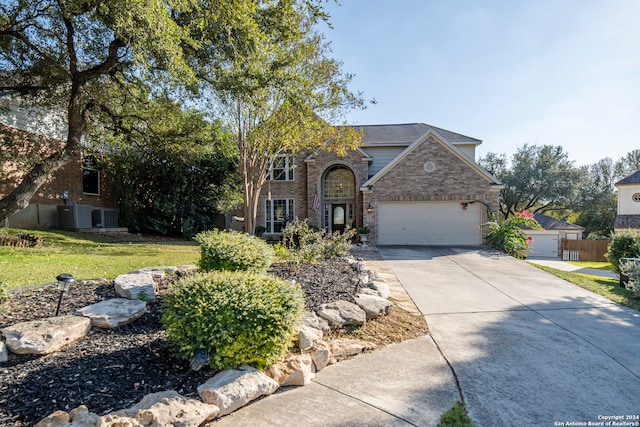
282	167
90	176
277	213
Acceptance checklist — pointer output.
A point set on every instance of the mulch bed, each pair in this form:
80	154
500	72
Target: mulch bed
113	369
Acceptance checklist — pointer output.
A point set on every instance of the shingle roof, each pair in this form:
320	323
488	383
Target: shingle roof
405	134
549	223
627	221
631	179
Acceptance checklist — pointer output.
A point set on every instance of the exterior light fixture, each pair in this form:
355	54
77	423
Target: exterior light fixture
64	283
369	208
200	358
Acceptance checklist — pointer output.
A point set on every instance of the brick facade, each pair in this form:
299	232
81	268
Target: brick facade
430	170
20	150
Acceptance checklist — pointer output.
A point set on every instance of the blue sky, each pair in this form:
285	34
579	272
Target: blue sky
508	72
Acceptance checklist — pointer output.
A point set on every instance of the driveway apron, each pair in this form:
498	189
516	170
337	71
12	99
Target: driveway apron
528	348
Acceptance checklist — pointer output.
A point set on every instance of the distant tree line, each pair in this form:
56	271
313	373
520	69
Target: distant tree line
542	179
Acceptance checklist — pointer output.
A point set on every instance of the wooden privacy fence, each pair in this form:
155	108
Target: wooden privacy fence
584	250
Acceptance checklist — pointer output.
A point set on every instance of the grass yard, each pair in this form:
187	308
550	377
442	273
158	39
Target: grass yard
87	256
600	265
608	288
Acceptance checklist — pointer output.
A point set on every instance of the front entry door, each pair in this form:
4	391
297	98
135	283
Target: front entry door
338	217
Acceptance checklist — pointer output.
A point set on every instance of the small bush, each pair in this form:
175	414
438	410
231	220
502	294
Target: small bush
309	244
509	236
623	245
232	250
241	318
632	270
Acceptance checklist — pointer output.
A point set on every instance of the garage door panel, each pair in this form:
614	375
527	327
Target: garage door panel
428	223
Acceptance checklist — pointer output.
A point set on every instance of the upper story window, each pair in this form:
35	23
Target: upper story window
339	183
636	197
90	176
282	168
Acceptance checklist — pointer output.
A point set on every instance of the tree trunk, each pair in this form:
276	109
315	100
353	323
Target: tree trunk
20	197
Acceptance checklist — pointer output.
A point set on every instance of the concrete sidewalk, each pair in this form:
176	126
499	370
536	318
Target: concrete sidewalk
528	348
406	384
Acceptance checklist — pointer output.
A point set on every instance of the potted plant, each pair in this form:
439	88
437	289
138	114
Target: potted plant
362	232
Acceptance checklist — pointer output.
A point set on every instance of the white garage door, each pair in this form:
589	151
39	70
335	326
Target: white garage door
544	245
429	223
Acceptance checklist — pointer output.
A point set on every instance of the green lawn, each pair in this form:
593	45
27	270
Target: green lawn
608	288
600	265
86	256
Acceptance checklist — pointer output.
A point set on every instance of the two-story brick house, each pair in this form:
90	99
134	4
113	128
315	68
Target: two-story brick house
409	183
628	217
77	196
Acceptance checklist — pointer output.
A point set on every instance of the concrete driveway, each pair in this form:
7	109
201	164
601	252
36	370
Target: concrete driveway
528	349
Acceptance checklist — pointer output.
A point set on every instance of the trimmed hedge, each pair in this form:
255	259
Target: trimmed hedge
232	251
623	245
241	318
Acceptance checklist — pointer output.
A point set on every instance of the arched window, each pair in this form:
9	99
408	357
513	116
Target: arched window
339	183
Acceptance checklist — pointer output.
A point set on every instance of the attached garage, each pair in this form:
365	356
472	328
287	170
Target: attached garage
429	223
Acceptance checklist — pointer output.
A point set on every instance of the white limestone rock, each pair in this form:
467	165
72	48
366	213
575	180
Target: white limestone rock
46	335
312	320
167	408
343	348
4	352
231	389
113	312
381	287
342	313
136	286
79	417
321	355
373	306
296	370
307	336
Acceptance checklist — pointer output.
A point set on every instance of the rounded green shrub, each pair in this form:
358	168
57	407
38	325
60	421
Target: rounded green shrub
241	318
232	250
623	245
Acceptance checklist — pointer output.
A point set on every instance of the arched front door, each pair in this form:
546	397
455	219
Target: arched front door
339	197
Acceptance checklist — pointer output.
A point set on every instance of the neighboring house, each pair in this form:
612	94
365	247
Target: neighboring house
76	196
548	241
411	184
628	217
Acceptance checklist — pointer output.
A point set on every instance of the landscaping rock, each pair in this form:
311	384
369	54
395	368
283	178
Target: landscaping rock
4	352
342	313
79	417
232	389
113	312
312	320
381	287
169	408
308	336
374	306
321	355
296	370
45	336
343	348
136	286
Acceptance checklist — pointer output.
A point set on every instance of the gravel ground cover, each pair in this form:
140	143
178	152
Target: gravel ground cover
113	369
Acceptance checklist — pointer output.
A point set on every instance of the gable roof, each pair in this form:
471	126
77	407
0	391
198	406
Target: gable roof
631	179
441	139
407	133
549	223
